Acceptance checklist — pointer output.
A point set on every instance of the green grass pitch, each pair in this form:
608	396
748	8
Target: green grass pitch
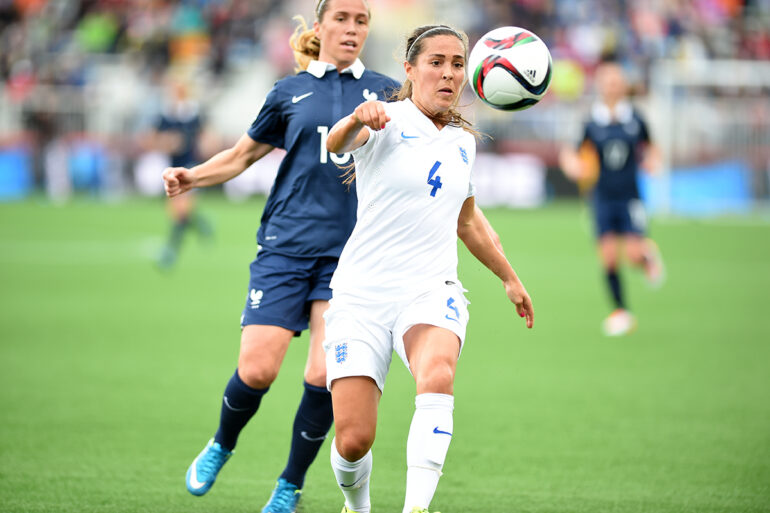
111	372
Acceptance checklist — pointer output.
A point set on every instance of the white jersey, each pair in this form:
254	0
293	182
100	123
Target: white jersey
411	180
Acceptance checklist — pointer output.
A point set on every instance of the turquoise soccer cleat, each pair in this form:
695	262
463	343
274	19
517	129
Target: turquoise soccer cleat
204	469
284	498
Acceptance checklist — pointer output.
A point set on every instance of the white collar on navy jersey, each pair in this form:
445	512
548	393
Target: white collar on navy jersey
601	114
319	68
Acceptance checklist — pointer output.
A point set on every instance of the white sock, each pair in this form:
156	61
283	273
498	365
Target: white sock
353	479
426	447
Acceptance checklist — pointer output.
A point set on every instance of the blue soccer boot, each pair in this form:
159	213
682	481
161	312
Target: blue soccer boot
204	469
284	498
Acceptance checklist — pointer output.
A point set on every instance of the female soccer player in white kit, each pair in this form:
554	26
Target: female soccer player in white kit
396	286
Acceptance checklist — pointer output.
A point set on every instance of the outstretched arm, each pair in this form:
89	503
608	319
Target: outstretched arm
571	164
472	230
223	166
492	232
349	133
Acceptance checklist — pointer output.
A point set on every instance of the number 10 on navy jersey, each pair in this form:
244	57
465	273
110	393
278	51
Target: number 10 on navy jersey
337	159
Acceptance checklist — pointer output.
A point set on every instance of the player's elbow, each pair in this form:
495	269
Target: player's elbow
464	232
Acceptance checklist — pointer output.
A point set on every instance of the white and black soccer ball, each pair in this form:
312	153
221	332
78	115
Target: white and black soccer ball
510	68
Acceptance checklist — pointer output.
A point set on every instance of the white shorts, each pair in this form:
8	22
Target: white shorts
361	334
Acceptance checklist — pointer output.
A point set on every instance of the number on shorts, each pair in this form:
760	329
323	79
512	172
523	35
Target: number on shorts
450	303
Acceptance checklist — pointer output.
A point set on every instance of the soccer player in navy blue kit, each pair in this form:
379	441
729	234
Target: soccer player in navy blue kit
618	136
307	219
177	132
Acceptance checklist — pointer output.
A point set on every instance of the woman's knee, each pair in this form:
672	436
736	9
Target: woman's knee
635	253
353	444
256	373
315	369
262	351
437	378
315	376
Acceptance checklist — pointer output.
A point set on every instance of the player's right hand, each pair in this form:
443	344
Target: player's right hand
372	114
177	180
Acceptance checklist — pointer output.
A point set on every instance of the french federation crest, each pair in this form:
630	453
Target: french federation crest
341	352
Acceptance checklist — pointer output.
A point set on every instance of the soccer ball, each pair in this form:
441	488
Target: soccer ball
510	68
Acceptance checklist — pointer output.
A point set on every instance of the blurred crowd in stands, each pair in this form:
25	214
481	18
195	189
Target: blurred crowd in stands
50	48
50	41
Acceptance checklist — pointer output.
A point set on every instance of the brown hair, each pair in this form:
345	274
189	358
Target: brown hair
415	44
303	41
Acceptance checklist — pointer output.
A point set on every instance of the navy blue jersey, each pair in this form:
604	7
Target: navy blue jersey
188	125
618	143
309	211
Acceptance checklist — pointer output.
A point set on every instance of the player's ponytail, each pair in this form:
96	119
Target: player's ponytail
305	44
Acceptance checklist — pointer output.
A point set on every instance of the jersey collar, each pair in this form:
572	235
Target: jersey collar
601	114
424	123
319	68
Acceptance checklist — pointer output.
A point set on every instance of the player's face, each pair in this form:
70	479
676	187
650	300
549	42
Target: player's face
438	73
611	83
342	31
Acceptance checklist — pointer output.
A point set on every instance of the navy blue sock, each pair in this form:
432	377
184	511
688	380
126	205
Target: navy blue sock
177	233
239	403
614	282
311	424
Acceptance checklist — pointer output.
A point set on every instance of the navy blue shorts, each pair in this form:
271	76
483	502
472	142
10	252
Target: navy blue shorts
281	289
620	217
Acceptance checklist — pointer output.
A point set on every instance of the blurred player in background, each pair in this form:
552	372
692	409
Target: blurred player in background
307	219
615	144
179	134
396	286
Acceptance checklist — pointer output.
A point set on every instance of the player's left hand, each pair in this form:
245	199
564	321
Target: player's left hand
519	297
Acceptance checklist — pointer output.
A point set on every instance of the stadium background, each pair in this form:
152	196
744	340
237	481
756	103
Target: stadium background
110	371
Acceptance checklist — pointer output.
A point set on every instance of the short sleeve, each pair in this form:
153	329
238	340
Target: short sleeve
364	152
270	125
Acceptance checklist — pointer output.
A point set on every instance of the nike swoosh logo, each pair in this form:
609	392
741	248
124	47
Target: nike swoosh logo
311	438
451	319
439	432
404	136
295	99
193	481
360	480
227	403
